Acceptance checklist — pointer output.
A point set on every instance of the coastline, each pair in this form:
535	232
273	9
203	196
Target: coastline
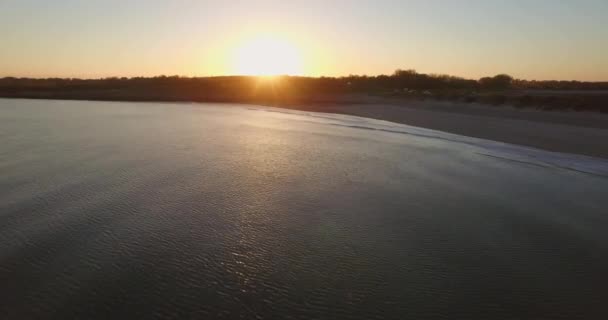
583	133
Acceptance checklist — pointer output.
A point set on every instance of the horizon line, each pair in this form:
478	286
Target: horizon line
284	75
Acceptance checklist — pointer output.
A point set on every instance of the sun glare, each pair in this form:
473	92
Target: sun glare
267	57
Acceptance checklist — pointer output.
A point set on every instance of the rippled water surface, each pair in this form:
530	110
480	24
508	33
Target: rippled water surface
190	211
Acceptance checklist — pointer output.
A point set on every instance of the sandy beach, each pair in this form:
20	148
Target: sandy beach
583	133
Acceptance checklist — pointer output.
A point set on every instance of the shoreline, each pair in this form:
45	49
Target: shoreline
583	133
566	132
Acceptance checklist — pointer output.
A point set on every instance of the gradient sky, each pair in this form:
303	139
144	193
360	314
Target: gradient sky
535	39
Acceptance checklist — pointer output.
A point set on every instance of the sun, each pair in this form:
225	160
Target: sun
267	56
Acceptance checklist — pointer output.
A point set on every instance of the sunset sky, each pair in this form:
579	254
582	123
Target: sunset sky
542	39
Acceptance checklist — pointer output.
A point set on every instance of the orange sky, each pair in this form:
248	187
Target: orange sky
534	40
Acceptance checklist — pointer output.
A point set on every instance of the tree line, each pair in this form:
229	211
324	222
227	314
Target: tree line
496	90
400	79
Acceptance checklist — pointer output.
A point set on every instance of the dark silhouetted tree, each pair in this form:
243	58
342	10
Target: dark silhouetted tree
497	82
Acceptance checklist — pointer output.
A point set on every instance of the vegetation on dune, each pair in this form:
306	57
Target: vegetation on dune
501	89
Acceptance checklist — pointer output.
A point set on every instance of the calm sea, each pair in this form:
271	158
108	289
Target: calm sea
198	211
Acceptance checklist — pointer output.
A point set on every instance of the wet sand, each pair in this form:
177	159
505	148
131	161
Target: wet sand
583	133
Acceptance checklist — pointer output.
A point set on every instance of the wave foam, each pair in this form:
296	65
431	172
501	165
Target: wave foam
490	148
